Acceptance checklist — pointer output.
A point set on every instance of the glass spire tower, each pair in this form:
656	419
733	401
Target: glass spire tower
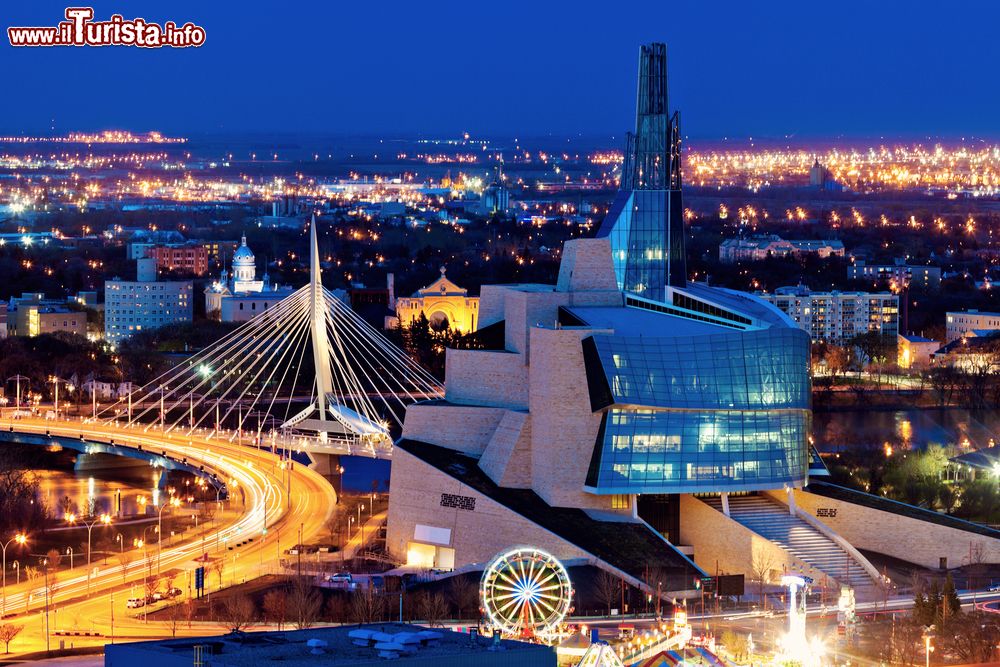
646	222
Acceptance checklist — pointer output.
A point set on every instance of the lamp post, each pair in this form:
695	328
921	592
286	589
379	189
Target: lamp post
102	519
121	543
69	552
17	379
20	539
55	380
361	525
340	482
928	649
173	502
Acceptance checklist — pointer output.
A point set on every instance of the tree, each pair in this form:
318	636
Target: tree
53	558
218	566
464	594
177	614
972	637
276	606
432	608
8	631
368	604
124	558
238	612
951	606
304	604
606	589
761	567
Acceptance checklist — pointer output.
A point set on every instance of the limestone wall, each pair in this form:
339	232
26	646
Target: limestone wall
898	536
720	542
507	457
486	377
477	534
563	428
463	428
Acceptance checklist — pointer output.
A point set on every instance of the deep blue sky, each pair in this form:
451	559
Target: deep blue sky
737	68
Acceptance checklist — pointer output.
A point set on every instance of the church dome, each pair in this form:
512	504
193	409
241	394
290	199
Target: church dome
243	254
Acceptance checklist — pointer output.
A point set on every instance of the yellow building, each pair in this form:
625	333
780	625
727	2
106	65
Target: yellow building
441	300
915	351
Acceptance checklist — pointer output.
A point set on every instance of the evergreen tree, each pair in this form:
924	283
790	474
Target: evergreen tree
951	606
920	609
933	604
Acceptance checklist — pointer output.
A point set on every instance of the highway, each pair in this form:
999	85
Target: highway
285	500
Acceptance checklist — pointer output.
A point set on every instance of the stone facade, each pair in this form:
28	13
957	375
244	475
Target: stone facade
476	534
720	542
899	536
462	428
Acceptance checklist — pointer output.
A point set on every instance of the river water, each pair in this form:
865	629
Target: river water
905	429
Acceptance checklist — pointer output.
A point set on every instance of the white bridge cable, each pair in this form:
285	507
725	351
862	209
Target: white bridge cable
287	342
207	358
385	362
255	353
259	364
236	354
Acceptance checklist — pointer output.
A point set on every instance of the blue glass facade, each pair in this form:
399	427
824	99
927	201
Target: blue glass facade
725	412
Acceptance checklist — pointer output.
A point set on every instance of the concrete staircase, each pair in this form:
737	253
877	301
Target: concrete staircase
772	520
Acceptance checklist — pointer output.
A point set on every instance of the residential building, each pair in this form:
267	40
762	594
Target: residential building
32	314
239	296
186	258
915	351
962	323
145	303
758	247
3	320
441	302
898	273
836	317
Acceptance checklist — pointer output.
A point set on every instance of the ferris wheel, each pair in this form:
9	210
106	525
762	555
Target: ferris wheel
526	592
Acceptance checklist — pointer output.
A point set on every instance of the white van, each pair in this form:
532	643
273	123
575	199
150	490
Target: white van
135	603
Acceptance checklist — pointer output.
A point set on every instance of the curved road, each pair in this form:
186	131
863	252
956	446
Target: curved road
284	501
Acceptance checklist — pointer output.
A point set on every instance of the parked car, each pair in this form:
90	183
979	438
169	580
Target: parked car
156	596
341	579
174	592
135	603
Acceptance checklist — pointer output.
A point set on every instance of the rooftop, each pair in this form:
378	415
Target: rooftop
354	645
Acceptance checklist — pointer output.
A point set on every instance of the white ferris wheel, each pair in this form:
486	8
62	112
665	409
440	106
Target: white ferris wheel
526	592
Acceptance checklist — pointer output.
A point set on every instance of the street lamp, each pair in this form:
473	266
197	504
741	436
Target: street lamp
928	649
173	502
69	552
102	519
21	539
55	380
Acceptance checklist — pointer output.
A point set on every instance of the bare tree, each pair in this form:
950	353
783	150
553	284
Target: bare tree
432	608
761	567
31	573
8	631
304	603
606	587
276	606
367	605
176	615
238	612
54	558
218	566
464	594
124	558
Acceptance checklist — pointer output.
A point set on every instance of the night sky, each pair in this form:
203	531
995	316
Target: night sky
763	69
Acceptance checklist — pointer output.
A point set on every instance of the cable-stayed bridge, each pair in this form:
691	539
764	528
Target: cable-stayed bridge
308	375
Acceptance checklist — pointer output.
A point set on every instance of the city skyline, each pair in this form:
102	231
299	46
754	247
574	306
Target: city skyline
777	72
